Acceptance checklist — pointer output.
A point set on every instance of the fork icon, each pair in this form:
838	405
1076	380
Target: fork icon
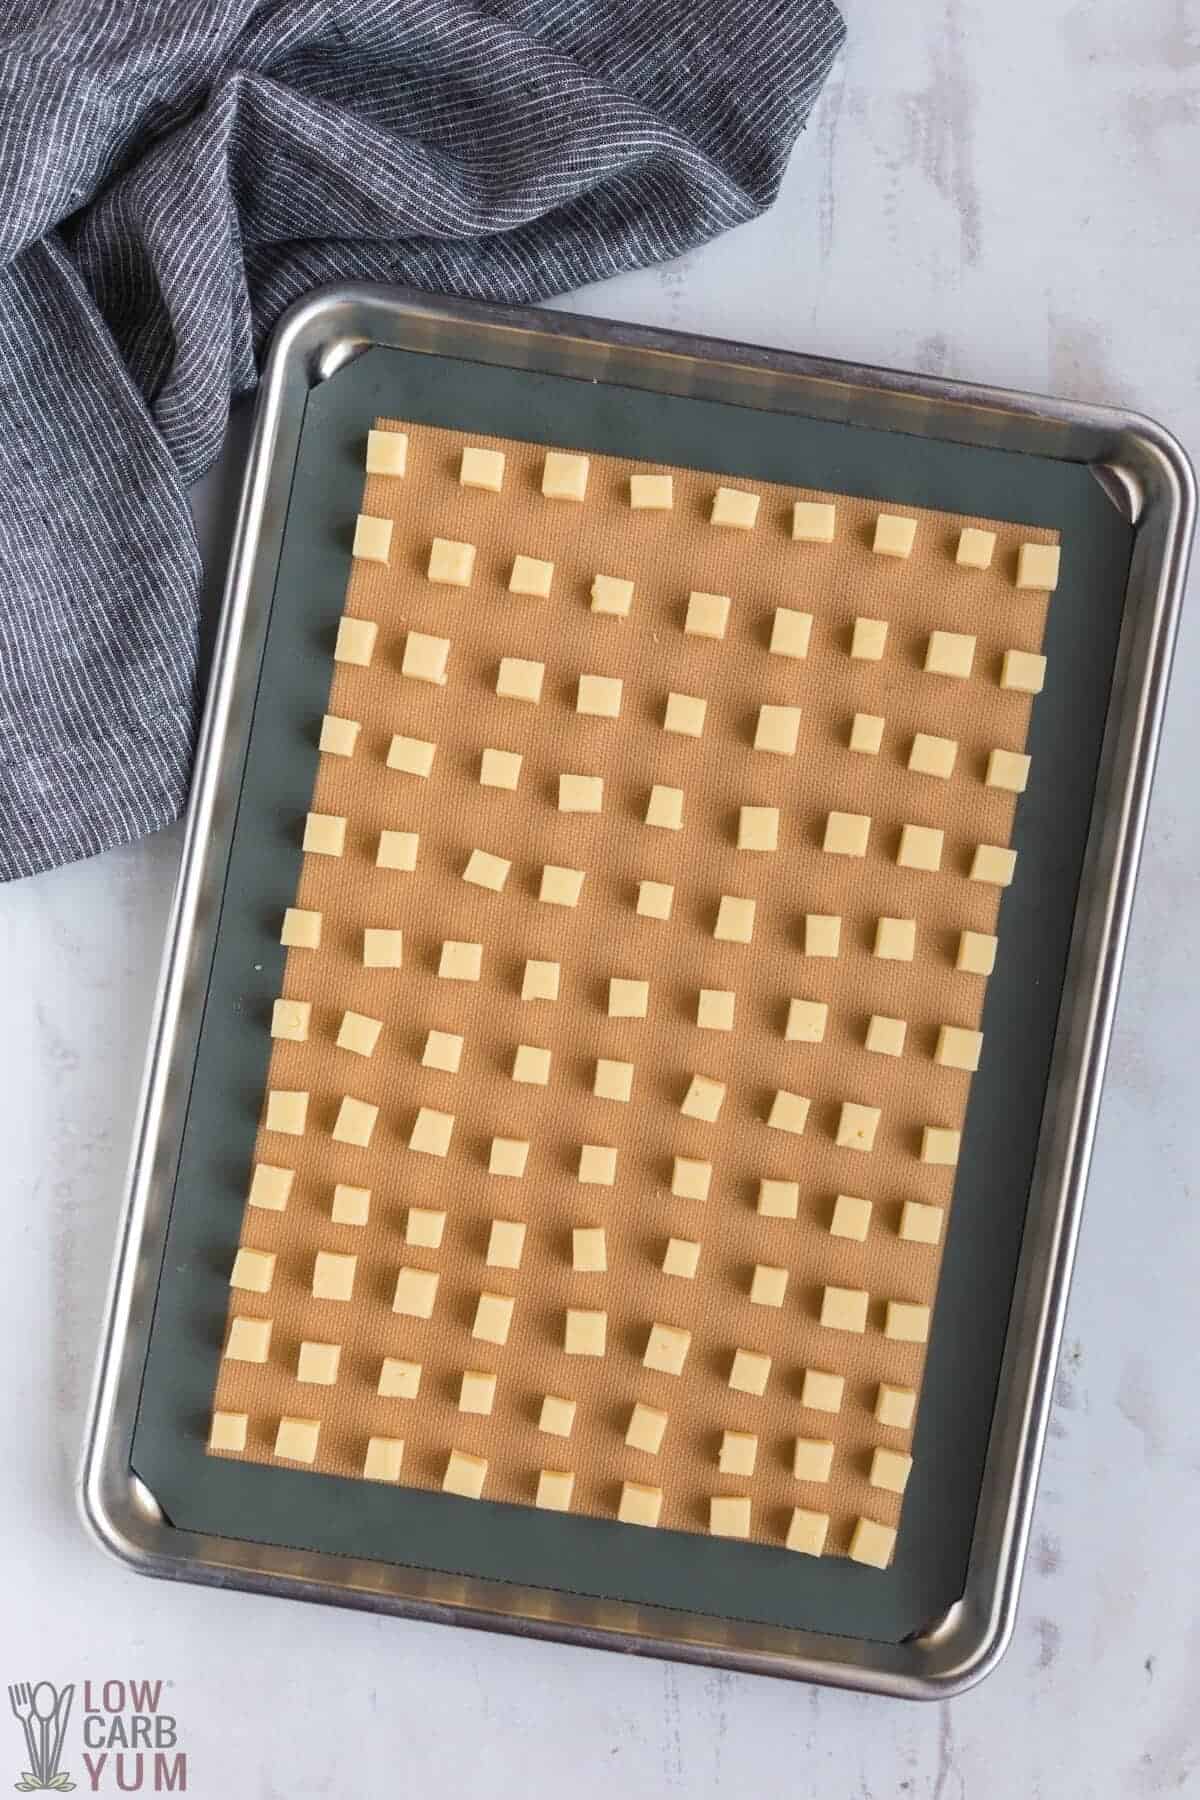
20	1698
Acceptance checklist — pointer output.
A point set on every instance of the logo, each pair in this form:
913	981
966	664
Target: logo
42	1711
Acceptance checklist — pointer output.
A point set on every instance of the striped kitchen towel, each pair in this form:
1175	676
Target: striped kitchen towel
174	173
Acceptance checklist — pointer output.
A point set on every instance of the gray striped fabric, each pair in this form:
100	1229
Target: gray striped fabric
173	173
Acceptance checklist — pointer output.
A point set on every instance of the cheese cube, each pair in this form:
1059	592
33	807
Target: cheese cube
778	730
561	887
920	847
681	1258
866	733
531	1064
844	1309
872	1543
896	939
301	929
493	1318
397	850
296	1440
599	696
387	452
958	1048
778	1199
940	1145
228	1431
976	953
685	714
738	1453
807	1531
431	1131
812	1459
612	595
324	834
383	948
791	632
500	768
355	1122
868	640
895	1406
383	1459
338	736
645	1430
857	1126
707	615
703	1099
425	658
460	961
465	1475
975	548
287	1110
249	1340
714	1009
665	808
451	564
580	793
1023	672
564	475
890	1469
289	1020
613	1079
690	1178
734	507
372	538
508	1157
589	1253
789	1112
894	536
557	1416
768	1285
735	920
477	1391
821	1391
424	1228
585	1332
443	1050
846	834
486	871
851	1218
333	1275
482	468
655	899
318	1363
355	641
729	1516
399	1380
351	1205
520	679
920	1224
554	1490
1009	770
651	493
806	1021
758	828
639	1505
886	1036
1037	567
540	980
531	576
950	653
822	934
359	1033
906	1322
597	1165
749	1372
628	999
270	1187
993	864
932	755
666	1349
506	1244
411	756
813	522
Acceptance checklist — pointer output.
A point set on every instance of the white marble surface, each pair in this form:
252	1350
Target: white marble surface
1007	193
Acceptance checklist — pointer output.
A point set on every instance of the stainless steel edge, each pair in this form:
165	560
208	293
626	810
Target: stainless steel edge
315	339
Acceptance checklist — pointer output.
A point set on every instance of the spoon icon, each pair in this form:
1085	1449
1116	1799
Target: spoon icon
51	1710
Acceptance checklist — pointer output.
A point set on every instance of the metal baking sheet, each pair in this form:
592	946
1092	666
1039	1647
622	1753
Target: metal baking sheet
1114	488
